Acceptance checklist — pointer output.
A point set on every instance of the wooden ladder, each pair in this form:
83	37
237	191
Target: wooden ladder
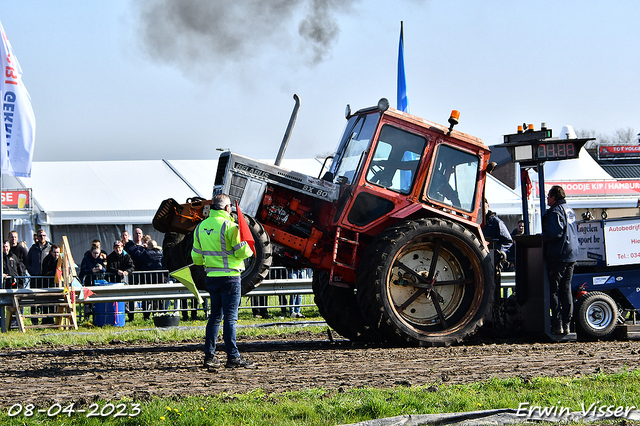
64	315
60	300
335	263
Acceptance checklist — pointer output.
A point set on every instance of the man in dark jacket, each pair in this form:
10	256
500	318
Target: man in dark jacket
118	263
20	250
38	251
495	230
11	268
49	267
560	233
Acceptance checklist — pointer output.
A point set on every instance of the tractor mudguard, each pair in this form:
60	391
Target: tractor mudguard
180	218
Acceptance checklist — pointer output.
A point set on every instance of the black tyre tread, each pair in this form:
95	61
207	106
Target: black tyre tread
339	307
372	267
257	268
583	330
176	250
177	254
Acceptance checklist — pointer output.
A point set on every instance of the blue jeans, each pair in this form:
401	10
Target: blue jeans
295	302
225	300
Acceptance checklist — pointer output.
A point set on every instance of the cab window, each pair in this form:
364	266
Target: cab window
395	160
453	179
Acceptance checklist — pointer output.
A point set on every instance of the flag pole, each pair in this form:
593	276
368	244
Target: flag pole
1	235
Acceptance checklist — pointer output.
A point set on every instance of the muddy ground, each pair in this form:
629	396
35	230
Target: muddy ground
288	362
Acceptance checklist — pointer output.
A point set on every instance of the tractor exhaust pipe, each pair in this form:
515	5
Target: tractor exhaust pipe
287	134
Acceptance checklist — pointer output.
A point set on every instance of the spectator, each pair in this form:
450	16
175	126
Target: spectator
130	307
125	238
135	249
11	268
519	230
50	262
49	267
560	233
96	242
16	248
137	236
119	264
93	266
152	258
296	299
38	251
259	308
497	232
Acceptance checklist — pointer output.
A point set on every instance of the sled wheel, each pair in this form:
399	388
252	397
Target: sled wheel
596	317
428	282
339	307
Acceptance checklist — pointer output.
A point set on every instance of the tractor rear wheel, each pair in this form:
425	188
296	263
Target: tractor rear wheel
177	251
596	316
256	267
339	307
427	282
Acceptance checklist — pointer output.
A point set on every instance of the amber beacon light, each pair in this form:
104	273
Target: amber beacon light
453	120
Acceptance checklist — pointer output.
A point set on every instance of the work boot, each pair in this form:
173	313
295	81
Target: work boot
211	362
239	362
566	328
557	329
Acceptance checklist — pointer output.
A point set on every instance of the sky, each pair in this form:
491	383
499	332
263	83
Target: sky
169	79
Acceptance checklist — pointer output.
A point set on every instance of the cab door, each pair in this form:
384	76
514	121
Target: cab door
387	179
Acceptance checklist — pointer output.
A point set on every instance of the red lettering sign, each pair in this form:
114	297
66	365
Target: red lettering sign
16	199
591	189
619	151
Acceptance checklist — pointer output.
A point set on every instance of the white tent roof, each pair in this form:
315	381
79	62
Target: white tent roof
122	192
502	199
102	192
583	168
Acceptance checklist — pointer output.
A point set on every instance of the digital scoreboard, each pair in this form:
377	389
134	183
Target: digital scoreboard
532	147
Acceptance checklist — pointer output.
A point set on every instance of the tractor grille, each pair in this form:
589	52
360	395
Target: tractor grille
236	189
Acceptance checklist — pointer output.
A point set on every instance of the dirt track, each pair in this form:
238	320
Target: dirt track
292	362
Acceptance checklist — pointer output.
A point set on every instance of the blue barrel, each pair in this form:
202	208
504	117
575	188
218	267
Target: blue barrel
108	313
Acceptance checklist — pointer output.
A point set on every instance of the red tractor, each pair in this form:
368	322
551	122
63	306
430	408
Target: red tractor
392	229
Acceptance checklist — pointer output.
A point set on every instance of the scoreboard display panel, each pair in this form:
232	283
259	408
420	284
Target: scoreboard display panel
533	147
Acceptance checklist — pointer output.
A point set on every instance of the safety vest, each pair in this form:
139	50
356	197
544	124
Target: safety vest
217	245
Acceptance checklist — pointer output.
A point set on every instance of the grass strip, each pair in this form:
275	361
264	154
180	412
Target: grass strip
330	407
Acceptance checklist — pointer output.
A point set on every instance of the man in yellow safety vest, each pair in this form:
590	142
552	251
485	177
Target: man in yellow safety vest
217	246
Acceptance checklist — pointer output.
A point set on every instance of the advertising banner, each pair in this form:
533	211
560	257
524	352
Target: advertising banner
593	189
591	241
20	200
619	151
622	241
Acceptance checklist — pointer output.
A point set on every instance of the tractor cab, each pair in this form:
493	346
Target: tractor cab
387	161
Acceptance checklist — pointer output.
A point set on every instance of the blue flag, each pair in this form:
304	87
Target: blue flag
403	101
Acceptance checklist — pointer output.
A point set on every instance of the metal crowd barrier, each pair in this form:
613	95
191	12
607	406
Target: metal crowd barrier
138	290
